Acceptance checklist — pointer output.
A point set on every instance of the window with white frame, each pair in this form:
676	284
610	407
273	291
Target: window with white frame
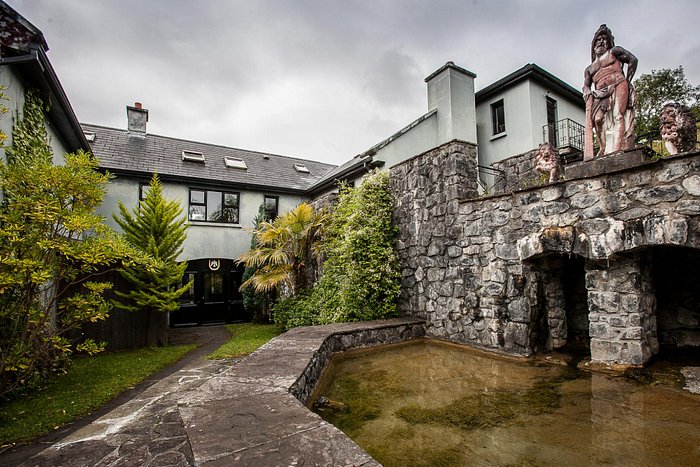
143	190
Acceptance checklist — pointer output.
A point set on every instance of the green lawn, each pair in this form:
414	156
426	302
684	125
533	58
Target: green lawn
89	383
245	338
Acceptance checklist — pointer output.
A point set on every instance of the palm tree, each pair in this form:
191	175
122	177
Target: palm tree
285	249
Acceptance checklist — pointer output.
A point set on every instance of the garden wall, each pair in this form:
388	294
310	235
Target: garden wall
509	272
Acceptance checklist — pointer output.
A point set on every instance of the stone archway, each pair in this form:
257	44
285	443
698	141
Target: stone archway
559	303
676	274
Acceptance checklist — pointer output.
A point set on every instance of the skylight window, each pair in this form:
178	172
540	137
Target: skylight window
301	168
235	163
192	156
90	136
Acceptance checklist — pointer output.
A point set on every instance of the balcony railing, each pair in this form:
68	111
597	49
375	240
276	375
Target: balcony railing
567	136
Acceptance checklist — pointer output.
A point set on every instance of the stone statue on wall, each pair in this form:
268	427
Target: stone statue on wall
547	161
610	106
678	129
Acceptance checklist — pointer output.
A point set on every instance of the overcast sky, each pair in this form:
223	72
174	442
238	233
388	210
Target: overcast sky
325	80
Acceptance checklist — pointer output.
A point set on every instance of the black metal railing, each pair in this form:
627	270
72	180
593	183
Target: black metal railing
564	134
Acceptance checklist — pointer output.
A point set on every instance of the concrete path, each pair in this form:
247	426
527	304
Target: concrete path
220	413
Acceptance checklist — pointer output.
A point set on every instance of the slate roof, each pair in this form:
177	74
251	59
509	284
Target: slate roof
352	165
122	153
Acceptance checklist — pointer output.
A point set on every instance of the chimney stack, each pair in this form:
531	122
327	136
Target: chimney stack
136	117
451	92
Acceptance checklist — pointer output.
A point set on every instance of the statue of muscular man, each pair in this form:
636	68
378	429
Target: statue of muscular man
610	106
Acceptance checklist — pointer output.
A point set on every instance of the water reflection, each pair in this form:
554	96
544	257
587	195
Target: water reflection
468	408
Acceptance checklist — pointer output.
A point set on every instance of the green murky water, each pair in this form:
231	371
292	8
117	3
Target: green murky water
434	404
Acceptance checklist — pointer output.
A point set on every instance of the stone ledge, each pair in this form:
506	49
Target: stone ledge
256	411
617	162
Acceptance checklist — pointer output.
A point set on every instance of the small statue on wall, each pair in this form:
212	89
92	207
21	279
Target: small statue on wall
678	129
610	106
547	161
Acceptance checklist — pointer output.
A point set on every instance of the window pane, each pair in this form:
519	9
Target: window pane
197	213
230	215
143	191
231	200
498	117
271	206
214	207
188	296
213	287
197	196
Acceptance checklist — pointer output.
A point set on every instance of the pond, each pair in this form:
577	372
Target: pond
431	403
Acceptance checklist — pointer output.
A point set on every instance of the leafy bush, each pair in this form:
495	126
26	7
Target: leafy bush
52	249
360	279
361	258
298	310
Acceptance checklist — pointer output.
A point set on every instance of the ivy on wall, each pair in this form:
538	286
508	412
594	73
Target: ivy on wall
361	276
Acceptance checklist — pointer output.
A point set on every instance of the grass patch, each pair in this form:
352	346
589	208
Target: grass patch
89	383
245	338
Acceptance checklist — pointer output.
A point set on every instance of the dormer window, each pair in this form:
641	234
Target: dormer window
90	136
192	156
235	163
301	168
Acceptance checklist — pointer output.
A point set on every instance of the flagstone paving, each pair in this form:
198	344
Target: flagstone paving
232	412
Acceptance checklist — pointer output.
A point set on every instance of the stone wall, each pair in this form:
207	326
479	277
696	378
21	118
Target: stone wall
348	337
428	189
516	173
489	271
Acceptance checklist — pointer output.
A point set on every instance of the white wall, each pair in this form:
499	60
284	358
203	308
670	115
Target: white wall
525	107
14	91
204	239
416	140
518	136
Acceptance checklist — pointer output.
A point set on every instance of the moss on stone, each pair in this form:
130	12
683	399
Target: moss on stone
488	409
407	457
360	399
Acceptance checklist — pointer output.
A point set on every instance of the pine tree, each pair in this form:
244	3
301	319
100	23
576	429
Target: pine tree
157	229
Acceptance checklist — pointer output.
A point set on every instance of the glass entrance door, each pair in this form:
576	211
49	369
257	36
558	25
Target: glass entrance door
214	306
213	296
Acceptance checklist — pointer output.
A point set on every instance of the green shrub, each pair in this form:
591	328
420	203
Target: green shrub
361	263
361	277
53	246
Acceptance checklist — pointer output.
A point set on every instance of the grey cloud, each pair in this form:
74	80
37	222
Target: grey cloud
324	79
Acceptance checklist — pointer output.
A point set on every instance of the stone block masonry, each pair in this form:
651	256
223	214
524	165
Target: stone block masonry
496	272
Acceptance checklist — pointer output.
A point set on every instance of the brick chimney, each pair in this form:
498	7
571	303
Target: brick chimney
136	119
